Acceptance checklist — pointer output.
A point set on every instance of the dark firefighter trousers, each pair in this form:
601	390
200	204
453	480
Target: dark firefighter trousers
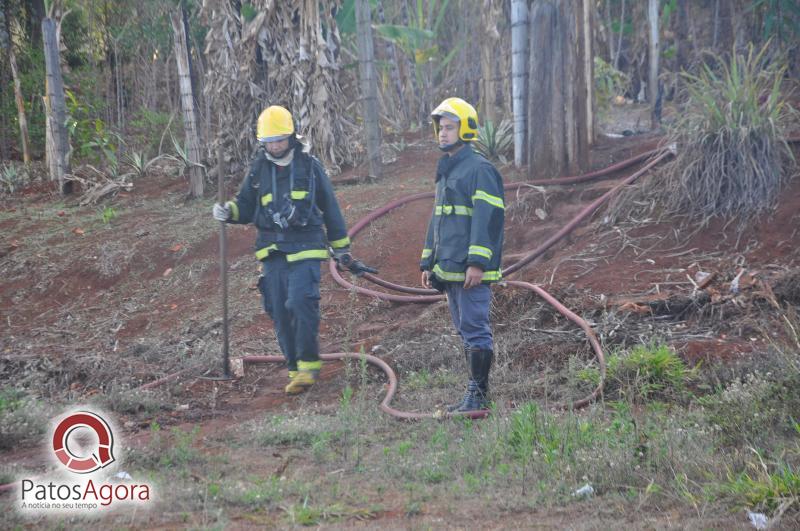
290	293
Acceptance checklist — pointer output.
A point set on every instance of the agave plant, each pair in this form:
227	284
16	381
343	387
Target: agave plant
495	142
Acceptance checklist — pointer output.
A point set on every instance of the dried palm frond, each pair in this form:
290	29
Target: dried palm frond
278	53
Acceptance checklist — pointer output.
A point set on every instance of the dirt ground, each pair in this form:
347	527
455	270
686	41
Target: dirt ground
91	308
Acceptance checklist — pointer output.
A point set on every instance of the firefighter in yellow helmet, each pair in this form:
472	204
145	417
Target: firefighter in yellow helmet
464	243
289	198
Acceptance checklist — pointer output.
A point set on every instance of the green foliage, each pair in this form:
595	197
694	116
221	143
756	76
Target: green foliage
608	83
30	65
248	11
755	409
495	142
646	372
764	490
13	177
22	418
108	214
781	19
93	139
731	140
147	129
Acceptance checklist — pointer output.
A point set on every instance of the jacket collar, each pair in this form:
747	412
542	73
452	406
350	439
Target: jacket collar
448	162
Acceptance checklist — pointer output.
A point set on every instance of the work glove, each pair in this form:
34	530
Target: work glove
221	212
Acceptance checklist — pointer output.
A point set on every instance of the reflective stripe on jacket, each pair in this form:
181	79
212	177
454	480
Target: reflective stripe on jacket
315	202
466	226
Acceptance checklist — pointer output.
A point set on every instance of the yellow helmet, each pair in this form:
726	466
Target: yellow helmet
274	123
457	109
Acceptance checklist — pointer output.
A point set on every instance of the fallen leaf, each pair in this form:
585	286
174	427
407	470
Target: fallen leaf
14	243
61	213
167	272
78	231
173	306
175	248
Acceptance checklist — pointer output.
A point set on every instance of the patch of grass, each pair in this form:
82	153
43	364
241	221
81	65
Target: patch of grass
764	490
302	431
22	418
127	400
643	373
755	409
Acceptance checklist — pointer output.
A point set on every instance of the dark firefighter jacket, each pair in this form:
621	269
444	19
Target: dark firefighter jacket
466	227
303	184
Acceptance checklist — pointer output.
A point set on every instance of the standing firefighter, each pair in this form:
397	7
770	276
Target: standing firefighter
288	196
464	243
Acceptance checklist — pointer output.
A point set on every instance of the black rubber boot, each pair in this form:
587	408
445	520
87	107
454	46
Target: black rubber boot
470	383
480	364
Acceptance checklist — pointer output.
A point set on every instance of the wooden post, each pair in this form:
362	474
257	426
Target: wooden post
187	105
369	86
57	139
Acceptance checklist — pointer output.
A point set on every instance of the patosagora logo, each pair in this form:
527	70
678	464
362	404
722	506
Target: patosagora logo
83	480
105	442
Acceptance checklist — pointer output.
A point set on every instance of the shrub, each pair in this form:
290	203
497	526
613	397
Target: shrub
495	142
731	142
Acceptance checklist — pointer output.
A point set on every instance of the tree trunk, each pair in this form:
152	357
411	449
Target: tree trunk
682	36
621	33
489	59
5	42
559	95
394	72
187	104
652	61
57	139
519	70
369	86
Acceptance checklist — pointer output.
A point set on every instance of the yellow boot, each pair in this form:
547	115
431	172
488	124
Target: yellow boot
301	382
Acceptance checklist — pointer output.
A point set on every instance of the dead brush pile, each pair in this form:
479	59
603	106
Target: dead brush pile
732	152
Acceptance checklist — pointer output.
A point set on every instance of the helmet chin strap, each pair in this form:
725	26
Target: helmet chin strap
450	147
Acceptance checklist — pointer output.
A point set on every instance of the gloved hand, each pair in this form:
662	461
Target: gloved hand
342	253
221	212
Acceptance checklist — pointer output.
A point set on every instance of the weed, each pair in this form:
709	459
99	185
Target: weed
303	431
256	492
13	177
127	400
108	214
643	373
609	83
22	418
764	490
753	410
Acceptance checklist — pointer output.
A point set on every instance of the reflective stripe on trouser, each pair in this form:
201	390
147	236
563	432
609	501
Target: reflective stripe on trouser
290	292
469	309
